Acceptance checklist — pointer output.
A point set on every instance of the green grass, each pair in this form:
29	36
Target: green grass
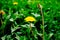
14	27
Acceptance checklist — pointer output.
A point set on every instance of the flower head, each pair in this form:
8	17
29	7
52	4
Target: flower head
2	12
15	3
30	19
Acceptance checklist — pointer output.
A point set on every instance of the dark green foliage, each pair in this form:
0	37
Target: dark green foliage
14	27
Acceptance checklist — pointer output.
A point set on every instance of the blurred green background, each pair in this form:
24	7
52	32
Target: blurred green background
14	27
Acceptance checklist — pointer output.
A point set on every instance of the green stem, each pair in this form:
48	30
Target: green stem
31	29
42	18
43	25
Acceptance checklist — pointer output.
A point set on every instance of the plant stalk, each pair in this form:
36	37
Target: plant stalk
31	29
40	7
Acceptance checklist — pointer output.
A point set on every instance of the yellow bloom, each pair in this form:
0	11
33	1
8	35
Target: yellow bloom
30	19
2	12
15	3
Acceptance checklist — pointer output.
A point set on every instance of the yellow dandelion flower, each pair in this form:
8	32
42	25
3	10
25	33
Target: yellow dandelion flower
15	3
2	12
30	19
